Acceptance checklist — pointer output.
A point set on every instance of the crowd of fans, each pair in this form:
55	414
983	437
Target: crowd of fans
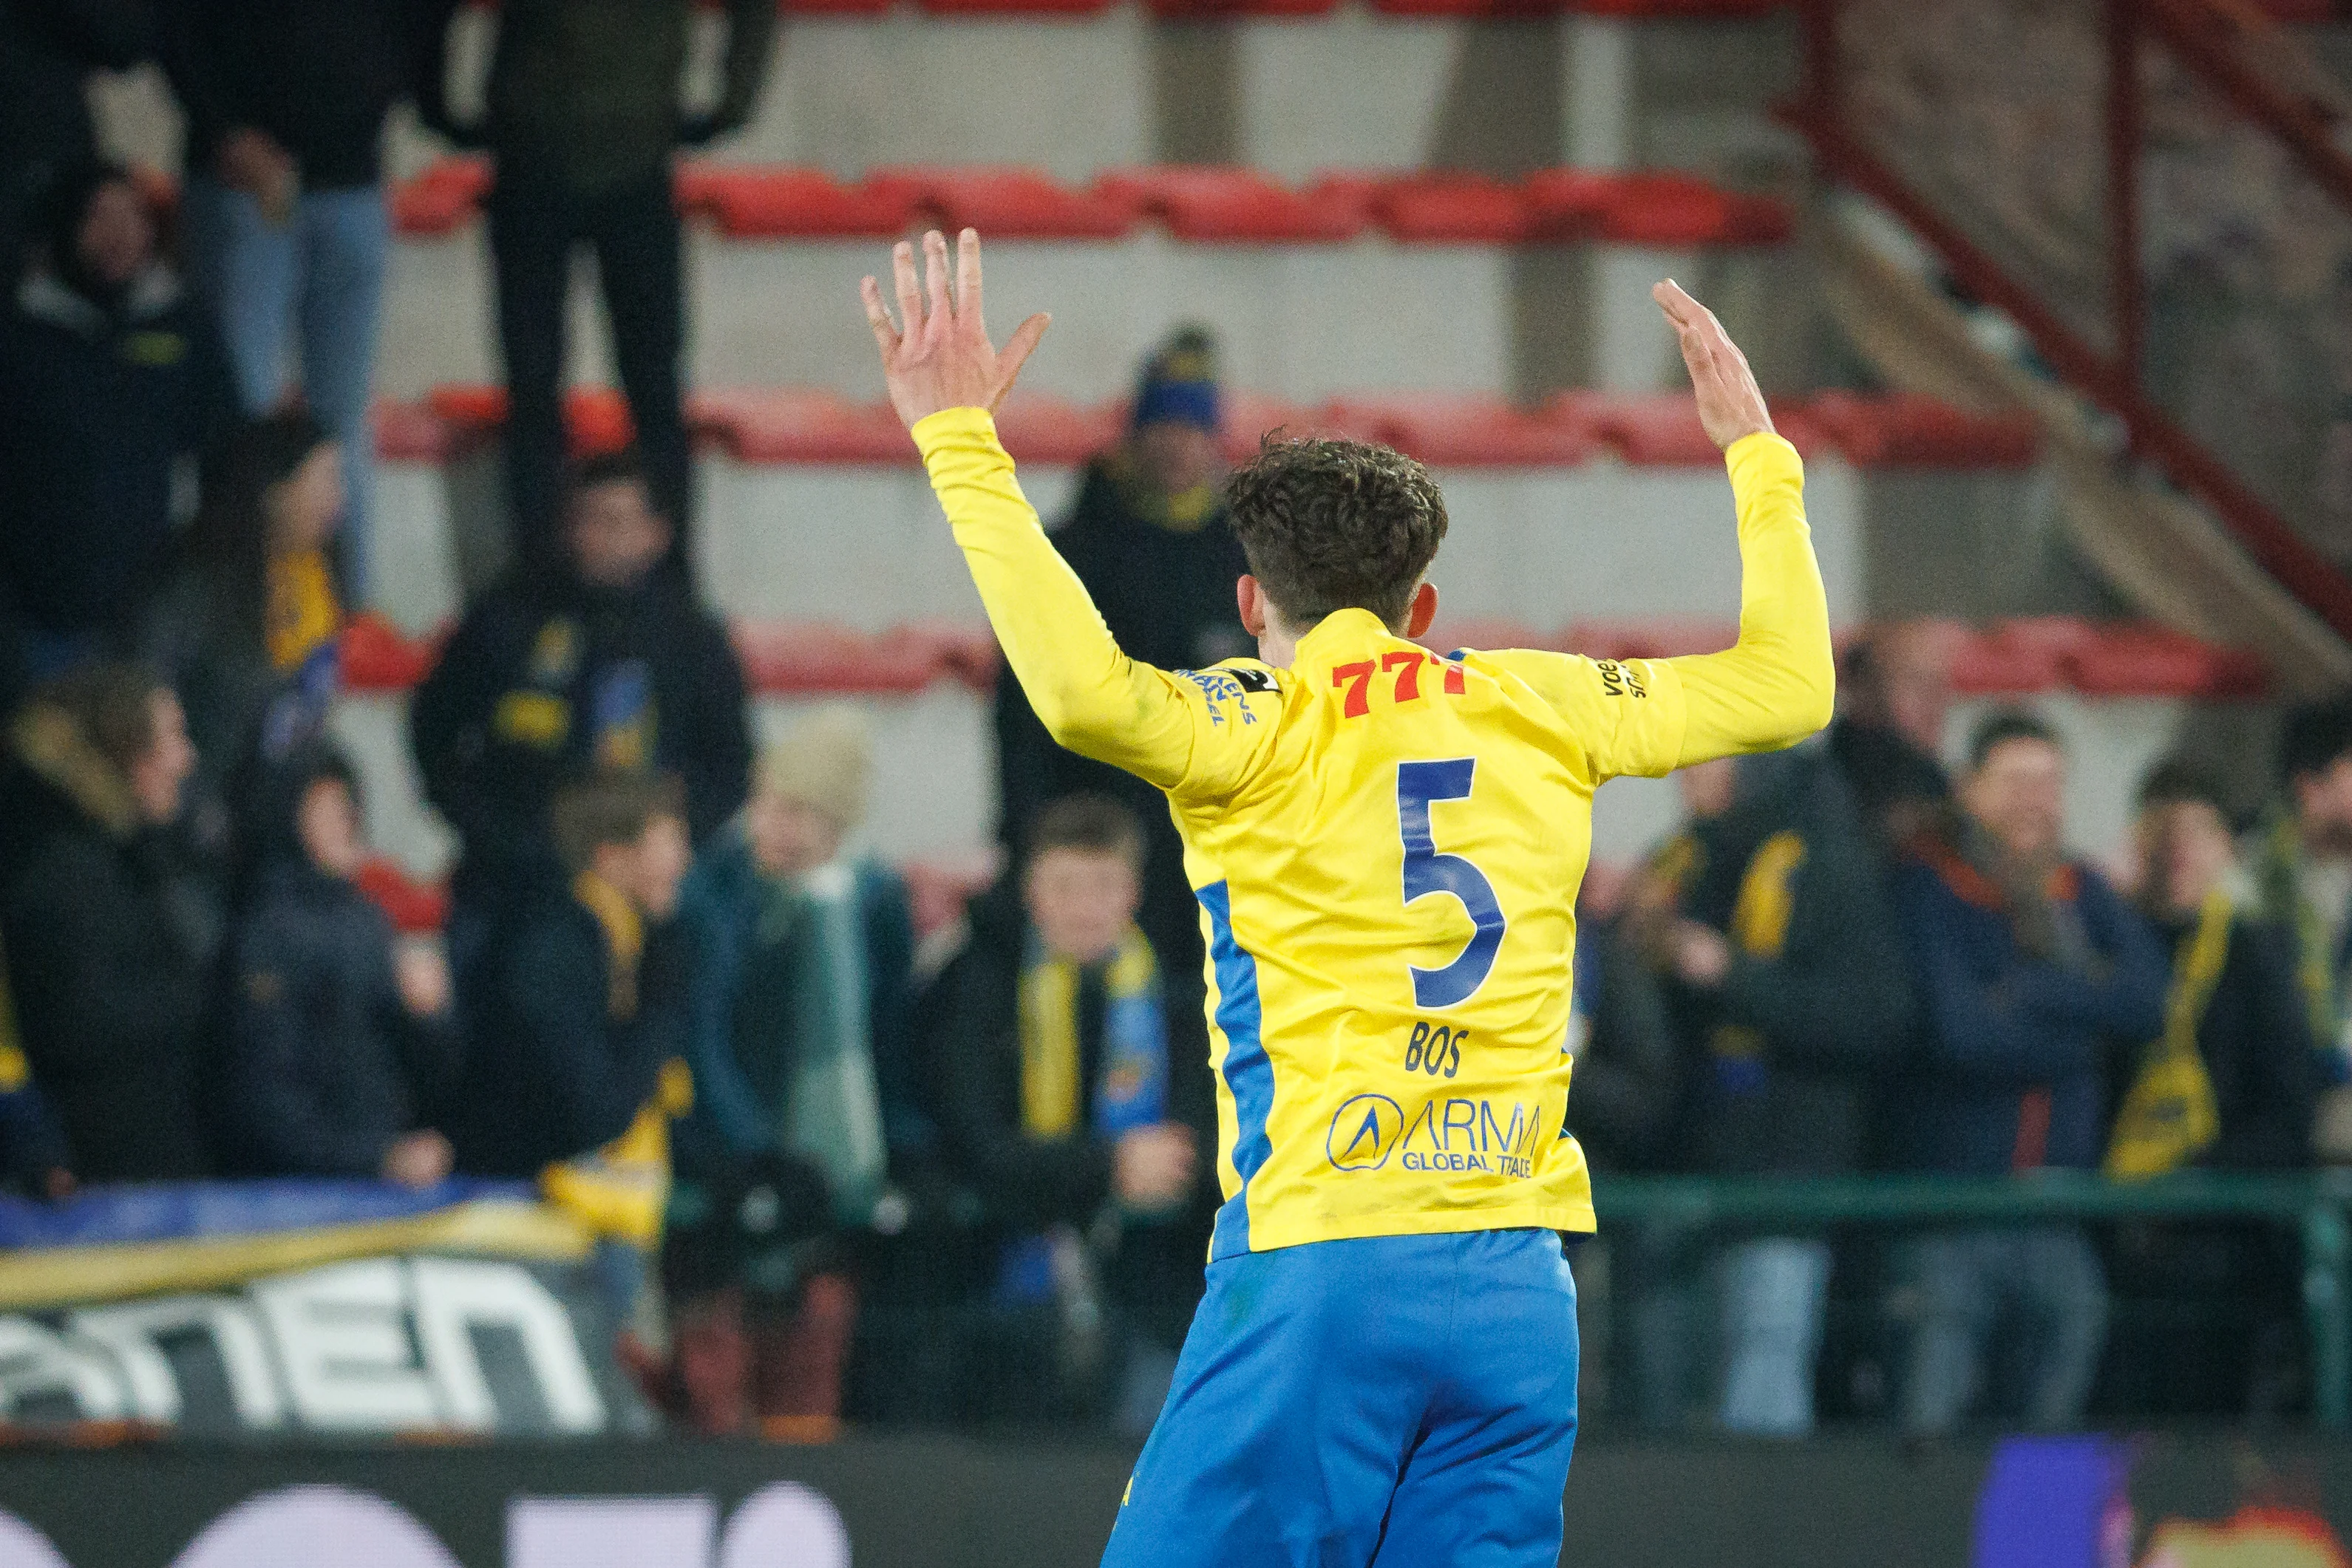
835	1168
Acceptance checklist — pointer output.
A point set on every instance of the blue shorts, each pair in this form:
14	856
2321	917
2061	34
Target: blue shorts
1408	1401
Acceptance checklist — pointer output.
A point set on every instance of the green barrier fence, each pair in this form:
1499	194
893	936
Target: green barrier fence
2314	1203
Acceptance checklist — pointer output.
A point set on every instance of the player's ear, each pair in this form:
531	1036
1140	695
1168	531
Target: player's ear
1251	598
1422	612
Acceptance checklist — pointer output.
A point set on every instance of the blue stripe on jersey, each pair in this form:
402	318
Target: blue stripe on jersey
1249	1075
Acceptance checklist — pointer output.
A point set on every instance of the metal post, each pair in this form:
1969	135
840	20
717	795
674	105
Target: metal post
2328	1308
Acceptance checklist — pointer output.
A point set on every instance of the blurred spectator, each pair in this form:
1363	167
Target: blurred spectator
584	1000
1789	981
601	664
286	228
33	1157
246	626
803	971
110	942
341	1042
1049	1032
2228	1084
2032	973
2303	882
583	118
109	379
1654	1269
1147	536
1628	1069
49	49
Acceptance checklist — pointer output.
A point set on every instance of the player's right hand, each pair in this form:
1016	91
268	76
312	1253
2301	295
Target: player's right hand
1730	404
938	356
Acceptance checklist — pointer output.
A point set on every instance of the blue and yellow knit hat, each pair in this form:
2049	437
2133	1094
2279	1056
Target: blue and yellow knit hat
1180	383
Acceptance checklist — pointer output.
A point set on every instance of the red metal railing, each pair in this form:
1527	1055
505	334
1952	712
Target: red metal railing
2161	206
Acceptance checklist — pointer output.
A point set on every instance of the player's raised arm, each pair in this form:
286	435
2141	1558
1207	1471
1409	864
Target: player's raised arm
946	381
1776	686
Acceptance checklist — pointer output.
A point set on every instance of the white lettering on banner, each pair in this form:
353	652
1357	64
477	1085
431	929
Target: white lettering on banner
131	1334
452	1298
35	1363
785	1525
610	1532
22	1546
375	1346
293	1525
343	1337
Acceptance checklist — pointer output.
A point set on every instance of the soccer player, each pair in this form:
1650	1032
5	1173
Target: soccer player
1386	846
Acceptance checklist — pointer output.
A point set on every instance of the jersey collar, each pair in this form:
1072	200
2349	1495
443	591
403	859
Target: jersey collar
1338	634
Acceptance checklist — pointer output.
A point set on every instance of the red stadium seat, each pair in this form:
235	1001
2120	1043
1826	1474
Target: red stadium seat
443	199
803	659
1662	429
1704	10
1218	204
1993	663
376	658
468	409
802	425
1015	7
1197	10
596	421
1668	209
2156	662
412	433
966	654
1569	204
1473	9
1470	430
790	203
1251	416
1035	428
1454	209
414	908
1904	431
1005	203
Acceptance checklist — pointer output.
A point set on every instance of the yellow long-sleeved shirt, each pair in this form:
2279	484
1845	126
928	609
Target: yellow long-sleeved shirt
1387	847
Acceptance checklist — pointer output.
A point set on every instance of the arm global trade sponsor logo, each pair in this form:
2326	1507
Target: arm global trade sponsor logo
1439	1133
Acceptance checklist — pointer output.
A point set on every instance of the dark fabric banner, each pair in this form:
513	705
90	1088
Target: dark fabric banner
278	1308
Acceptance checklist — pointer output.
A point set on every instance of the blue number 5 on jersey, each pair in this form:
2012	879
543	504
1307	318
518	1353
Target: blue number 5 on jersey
1427	871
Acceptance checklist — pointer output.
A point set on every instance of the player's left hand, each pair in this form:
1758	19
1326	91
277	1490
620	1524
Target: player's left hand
938	356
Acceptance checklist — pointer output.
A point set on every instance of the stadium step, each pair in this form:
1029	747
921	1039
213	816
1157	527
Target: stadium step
1196	203
1450	430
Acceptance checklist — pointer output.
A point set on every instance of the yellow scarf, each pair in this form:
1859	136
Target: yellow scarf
303	613
1049	1032
2169	1116
1760	923
14	1071
623	1189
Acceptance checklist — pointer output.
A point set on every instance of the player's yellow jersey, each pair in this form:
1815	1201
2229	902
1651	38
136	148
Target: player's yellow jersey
1387	847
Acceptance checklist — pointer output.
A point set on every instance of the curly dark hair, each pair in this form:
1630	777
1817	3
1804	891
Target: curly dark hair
1336	525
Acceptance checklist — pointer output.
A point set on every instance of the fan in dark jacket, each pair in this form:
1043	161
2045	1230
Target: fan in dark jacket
2230	1084
582	116
582	1002
110	376
1791	988
247	622
2032	974
340	1044
110	942
605	665
48	50
1049	1037
1149	537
